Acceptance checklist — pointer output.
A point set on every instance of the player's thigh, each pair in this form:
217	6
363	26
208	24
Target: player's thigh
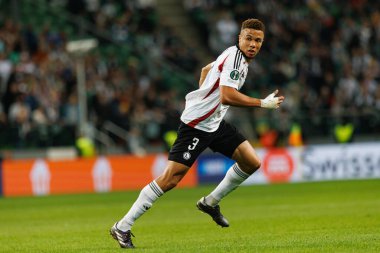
246	157
227	139
173	174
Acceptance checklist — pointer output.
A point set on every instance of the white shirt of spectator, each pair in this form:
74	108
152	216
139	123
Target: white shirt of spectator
203	109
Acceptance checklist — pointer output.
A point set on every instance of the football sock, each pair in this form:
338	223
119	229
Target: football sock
148	195
234	177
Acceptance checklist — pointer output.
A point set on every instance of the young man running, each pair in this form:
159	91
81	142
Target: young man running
203	126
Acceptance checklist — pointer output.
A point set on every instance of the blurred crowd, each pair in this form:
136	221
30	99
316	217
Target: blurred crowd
323	55
126	92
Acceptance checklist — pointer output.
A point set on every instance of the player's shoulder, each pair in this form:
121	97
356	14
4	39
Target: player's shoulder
230	52
232	57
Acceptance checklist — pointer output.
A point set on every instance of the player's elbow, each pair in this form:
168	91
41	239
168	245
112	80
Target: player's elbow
225	100
205	70
227	95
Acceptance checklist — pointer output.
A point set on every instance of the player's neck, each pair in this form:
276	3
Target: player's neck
245	57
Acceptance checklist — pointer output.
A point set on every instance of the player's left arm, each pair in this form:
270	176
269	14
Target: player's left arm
229	84
204	73
231	96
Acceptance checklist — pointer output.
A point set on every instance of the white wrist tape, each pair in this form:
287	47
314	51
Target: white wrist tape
270	101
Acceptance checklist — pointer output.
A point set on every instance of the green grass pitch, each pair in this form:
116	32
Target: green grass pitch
309	217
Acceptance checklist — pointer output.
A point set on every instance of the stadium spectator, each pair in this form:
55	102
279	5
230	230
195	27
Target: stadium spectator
226	30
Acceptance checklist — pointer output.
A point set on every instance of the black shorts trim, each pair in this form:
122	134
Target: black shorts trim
191	142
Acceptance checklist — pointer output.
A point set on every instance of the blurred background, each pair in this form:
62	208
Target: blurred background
126	94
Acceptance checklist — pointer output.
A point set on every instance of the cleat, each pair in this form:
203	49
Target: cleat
123	238
214	212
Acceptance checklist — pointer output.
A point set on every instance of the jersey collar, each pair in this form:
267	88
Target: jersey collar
245	57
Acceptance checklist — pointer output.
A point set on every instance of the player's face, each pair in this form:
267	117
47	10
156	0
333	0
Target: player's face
250	41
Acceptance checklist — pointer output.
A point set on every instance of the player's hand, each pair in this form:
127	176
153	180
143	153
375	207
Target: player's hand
272	101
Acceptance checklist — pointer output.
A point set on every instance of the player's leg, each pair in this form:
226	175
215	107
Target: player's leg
121	230
246	158
187	147
172	175
247	162
233	145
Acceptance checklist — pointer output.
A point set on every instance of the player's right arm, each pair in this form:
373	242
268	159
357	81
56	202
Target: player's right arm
204	73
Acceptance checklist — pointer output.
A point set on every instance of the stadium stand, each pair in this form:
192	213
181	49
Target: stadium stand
130	77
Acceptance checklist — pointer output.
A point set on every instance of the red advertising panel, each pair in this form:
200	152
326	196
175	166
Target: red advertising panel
101	174
16	179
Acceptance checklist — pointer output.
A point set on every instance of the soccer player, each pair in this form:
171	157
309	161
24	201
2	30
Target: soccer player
203	126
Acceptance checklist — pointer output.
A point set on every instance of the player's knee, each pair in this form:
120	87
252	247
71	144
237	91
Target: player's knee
251	167
170	184
257	164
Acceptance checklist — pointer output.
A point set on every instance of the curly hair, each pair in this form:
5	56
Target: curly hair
253	24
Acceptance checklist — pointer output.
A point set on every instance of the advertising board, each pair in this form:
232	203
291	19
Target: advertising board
101	174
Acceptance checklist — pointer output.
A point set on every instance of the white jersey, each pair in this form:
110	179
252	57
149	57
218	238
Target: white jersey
204	110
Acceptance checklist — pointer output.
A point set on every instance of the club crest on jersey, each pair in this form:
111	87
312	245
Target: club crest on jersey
186	155
234	74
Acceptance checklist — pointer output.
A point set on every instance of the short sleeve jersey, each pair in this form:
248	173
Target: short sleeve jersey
203	109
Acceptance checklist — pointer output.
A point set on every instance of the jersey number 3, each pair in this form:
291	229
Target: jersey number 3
194	144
